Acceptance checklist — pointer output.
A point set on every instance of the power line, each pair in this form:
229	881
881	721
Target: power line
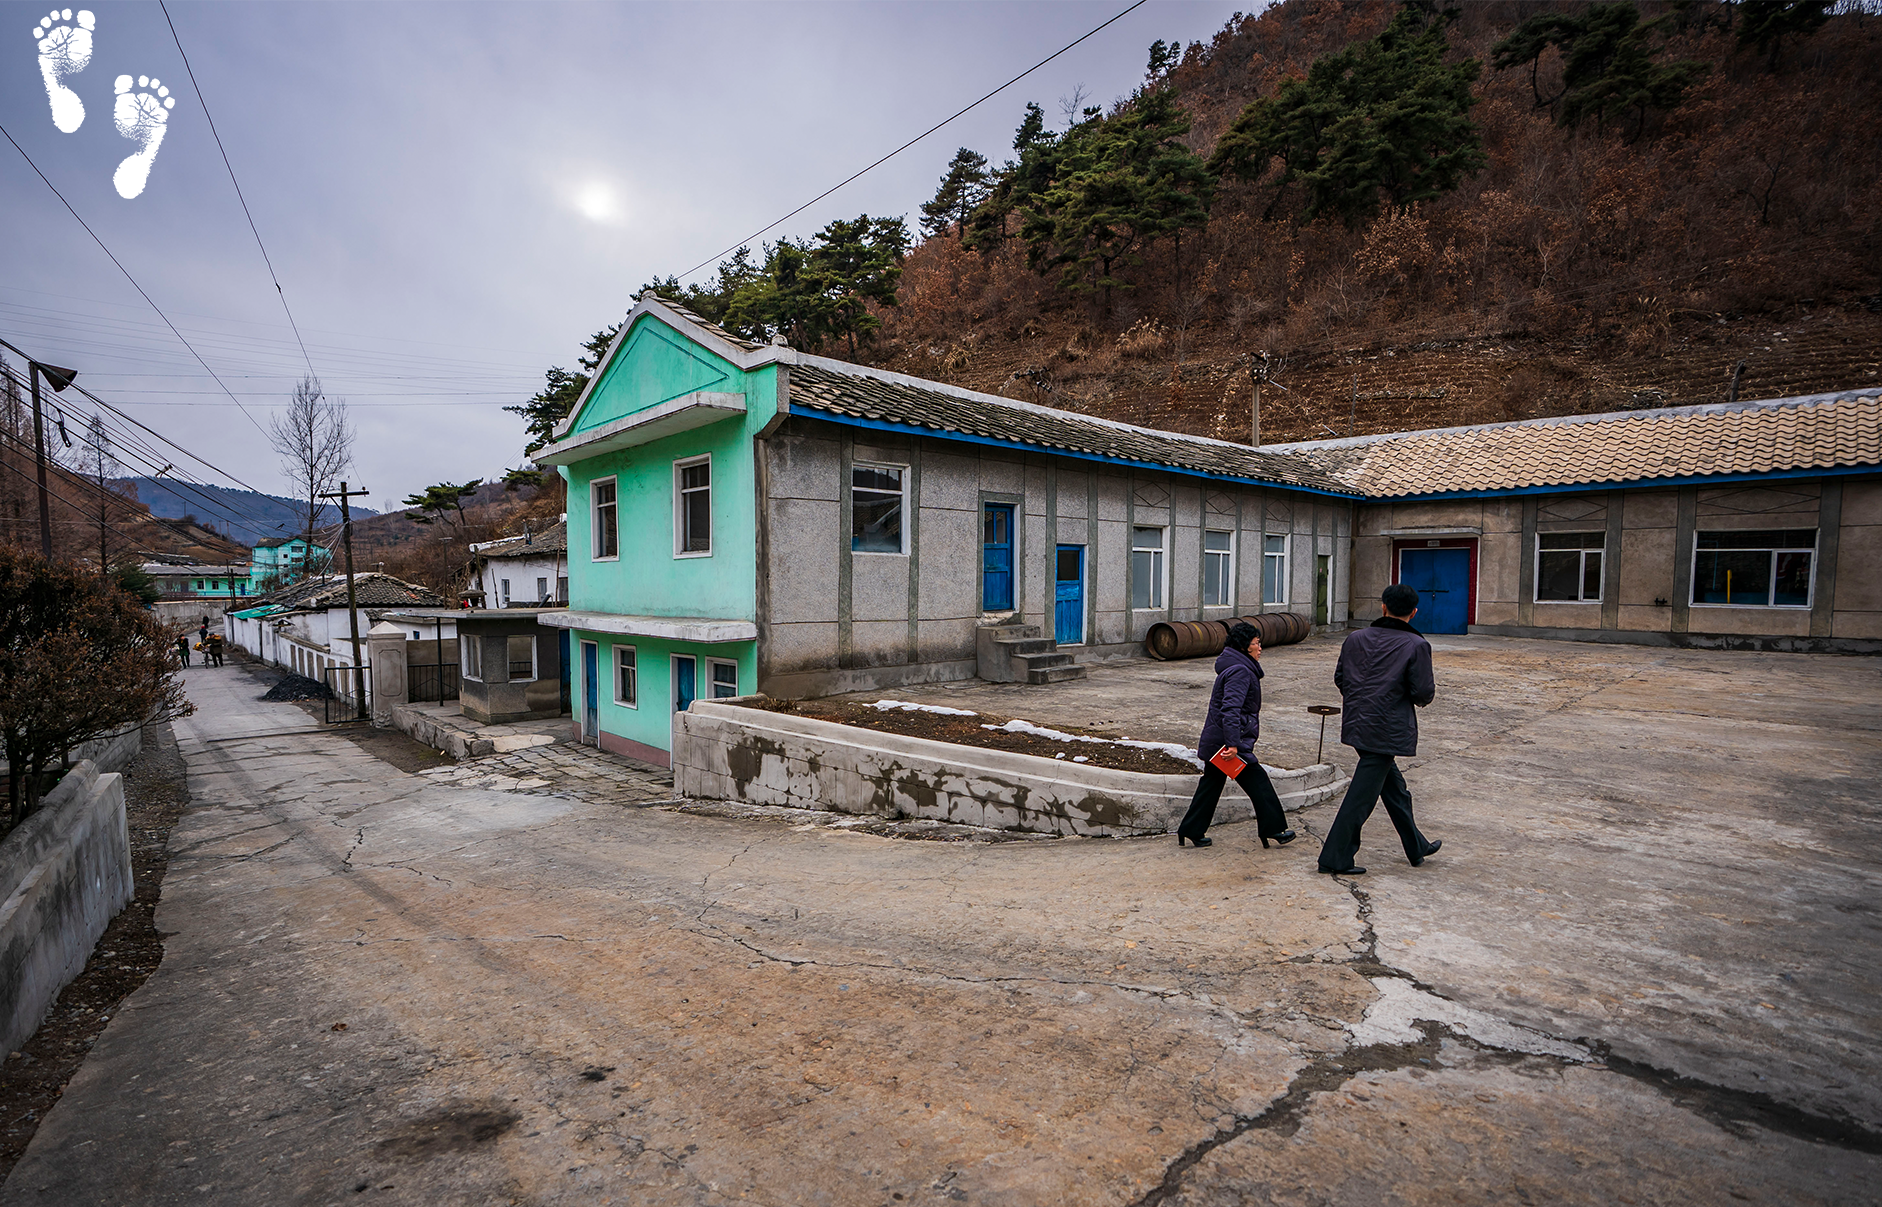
129	277
911	142
201	100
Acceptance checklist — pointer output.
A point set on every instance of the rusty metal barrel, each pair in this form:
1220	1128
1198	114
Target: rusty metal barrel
1173	639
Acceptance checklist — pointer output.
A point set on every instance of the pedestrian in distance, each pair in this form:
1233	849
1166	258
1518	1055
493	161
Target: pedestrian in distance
214	648
183	649
1228	739
202	634
1384	676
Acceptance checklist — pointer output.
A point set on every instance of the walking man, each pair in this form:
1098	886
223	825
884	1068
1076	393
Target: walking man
183	648
1384	671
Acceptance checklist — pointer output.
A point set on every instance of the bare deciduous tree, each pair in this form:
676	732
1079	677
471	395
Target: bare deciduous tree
315	443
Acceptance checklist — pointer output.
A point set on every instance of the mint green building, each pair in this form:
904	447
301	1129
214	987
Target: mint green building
747	517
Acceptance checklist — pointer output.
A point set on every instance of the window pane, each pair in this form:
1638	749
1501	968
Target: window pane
1274	544
696	477
1591	575
1558	575
1141	578
724	680
1761	538
1572	540
1214	573
1156	580
608	544
698	520
1732	577
995	526
1216	542
1272	572
604	493
1793	580
1147	538
876	523
874	477
627	673
1067	570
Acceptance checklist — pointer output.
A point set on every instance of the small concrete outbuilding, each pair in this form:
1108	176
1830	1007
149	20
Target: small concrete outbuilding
510	668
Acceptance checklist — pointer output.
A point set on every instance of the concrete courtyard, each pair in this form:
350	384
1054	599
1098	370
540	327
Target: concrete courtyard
1642	970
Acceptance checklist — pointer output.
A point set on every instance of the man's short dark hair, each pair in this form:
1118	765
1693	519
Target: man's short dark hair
1400	599
1242	634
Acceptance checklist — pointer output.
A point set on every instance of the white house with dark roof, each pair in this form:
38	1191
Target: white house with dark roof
306	628
530	570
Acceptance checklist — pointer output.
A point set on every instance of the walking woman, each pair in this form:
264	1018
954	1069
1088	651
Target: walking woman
1233	724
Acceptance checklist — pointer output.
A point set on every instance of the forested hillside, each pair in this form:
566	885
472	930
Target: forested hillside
1402	215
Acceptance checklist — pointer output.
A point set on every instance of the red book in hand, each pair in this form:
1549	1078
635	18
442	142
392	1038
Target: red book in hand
1229	761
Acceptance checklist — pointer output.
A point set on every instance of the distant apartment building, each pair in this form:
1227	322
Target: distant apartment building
278	561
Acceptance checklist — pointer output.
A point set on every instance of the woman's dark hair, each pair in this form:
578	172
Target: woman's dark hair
1242	634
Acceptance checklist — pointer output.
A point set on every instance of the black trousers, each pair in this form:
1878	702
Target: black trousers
1376	777
1269	817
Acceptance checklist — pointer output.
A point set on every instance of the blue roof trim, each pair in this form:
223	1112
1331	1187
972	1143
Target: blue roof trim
1834	471
884	425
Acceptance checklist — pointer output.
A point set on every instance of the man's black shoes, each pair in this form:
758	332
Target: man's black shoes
1429	851
1342	871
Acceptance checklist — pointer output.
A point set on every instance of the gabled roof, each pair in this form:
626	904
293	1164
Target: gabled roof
550	541
840	390
372	590
275	542
1827	432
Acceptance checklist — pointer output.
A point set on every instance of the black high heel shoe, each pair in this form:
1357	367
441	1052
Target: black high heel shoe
1280	840
1194	842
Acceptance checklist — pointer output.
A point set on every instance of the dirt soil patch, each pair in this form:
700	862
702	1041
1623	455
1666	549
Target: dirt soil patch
972	730
31	1079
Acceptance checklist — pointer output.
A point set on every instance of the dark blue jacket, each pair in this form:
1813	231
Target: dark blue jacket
1384	670
1234	706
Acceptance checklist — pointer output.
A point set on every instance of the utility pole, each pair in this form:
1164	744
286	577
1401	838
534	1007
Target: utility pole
352	596
58	379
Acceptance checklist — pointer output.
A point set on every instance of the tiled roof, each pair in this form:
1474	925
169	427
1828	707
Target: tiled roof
717	330
841	389
1823	431
372	590
554	539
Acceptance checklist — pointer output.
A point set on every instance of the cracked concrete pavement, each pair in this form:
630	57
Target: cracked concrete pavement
1642	970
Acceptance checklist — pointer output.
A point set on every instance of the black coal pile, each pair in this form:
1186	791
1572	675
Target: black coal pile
299	687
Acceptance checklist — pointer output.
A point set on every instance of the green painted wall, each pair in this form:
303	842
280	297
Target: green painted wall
652	722
655	364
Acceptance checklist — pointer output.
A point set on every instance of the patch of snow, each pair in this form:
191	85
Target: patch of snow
1081	758
906	706
1057	735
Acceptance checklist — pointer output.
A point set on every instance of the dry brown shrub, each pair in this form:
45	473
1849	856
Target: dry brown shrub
1144	338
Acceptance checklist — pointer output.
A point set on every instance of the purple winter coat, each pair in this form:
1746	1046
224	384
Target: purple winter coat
1234	706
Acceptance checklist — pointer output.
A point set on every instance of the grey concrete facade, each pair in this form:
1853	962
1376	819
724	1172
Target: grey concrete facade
501	684
1650	533
837	620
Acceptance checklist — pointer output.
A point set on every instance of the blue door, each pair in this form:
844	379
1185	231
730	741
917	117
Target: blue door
591	711
1068	596
1442	579
996	558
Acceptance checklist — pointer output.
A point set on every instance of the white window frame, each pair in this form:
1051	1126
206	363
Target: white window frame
1692	577
1228	566
535	657
594	518
902	534
542	590
679	507
1280	575
711	692
470	658
1160	585
1535	587
503	592
632	700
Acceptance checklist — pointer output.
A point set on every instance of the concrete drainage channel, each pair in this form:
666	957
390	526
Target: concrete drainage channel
724	751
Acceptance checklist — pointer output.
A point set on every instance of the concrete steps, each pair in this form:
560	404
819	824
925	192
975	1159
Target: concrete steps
1019	653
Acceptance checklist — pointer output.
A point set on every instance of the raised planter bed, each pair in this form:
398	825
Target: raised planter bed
726	750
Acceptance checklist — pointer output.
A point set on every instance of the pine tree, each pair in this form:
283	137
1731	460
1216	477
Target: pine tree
963	188
816	291
1382	120
1766	23
1608	67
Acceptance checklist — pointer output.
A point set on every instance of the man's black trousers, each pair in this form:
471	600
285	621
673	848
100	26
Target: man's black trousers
1269	816
1376	776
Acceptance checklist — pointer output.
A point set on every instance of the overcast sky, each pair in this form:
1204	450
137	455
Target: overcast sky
454	195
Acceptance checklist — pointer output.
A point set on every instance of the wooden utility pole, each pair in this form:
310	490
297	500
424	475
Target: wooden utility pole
58	379
352	595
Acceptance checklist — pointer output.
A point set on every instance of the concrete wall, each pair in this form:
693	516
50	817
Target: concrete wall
723	751
1650	534
836	620
64	873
